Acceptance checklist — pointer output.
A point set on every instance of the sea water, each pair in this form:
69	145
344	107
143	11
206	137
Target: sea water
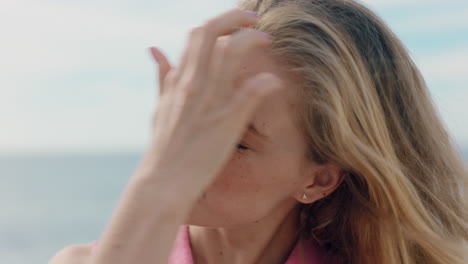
48	201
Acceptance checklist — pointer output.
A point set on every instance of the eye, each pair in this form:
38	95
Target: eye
242	147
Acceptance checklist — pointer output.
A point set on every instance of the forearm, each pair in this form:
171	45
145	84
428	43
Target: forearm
145	222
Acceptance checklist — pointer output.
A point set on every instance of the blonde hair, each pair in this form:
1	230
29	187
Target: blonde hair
365	107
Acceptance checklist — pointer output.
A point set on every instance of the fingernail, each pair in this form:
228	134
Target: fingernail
252	13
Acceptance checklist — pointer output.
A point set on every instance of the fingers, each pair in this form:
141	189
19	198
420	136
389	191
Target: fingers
94	245
73	254
163	65
227	57
252	93
197	55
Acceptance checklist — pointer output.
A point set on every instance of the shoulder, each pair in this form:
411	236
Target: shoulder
73	254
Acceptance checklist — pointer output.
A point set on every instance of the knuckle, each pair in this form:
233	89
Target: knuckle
231	48
71	253
236	12
240	42
78	250
209	25
248	31
252	37
196	32
188	91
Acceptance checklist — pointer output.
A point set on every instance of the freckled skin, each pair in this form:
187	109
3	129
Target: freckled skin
255	182
250	211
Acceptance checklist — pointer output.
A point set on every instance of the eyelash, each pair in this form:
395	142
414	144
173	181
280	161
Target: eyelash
242	147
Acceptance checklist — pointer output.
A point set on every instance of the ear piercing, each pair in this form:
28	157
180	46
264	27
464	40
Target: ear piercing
304	196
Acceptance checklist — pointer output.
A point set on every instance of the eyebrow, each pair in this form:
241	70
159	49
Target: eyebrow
251	127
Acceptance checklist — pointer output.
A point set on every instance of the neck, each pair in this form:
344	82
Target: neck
269	240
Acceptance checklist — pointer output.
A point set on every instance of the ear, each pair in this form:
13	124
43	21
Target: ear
321	181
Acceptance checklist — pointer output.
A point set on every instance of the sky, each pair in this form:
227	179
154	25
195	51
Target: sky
77	76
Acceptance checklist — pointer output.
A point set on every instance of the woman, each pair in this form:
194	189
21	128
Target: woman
341	155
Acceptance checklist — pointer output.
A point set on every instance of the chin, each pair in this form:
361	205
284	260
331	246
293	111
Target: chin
197	218
202	216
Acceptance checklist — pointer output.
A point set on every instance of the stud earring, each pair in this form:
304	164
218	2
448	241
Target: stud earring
304	196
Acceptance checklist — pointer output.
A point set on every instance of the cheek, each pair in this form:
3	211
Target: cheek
241	178
246	190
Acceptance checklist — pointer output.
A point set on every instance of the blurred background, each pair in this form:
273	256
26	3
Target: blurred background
78	89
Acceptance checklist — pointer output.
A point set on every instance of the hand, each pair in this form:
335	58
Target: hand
74	254
201	114
197	124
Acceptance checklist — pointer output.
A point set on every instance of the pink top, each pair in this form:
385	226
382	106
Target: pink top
182	252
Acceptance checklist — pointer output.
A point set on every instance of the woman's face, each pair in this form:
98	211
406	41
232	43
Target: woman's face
267	176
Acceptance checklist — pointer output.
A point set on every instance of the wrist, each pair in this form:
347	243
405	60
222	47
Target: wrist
170	180
144	223
168	191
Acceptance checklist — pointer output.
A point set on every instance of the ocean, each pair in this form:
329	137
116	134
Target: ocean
48	202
